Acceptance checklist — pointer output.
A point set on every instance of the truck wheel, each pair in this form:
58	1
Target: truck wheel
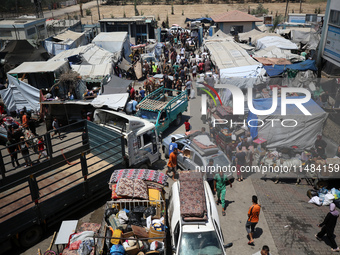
178	119
144	166
31	236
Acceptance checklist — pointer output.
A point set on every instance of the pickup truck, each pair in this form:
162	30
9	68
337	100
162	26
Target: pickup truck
163	107
142	144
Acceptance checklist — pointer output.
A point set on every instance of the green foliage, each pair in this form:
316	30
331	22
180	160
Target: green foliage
277	20
136	10
75	17
172	10
182	12
141	13
207	15
88	12
167	21
158	18
124	15
260	10
112	17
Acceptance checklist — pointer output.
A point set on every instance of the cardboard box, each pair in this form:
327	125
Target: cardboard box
154	234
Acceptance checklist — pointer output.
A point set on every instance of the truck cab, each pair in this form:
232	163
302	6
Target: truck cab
194	235
141	141
163	107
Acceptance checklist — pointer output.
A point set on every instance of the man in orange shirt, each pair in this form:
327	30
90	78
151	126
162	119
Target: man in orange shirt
172	164
24	120
253	219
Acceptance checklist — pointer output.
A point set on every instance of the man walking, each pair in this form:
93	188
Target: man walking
264	251
172	164
240	161
172	145
253	219
56	128
220	187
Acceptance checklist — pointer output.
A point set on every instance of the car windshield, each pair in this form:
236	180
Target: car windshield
219	159
202	243
151	116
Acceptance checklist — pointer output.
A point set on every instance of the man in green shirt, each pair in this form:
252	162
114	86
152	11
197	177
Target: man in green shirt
220	186
175	67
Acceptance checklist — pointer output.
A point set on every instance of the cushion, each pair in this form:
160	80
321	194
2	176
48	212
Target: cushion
140	189
125	187
114	194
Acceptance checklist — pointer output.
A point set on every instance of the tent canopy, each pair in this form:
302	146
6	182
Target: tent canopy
303	135
302	66
93	71
277	41
252	33
275	52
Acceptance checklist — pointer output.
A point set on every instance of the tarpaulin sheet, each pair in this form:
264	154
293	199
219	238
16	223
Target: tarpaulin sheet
115	85
273	61
303	135
112	101
19	95
204	20
279	69
275	52
277	41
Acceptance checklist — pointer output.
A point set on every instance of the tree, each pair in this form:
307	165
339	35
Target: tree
136	10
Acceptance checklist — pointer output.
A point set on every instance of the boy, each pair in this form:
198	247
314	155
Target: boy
41	148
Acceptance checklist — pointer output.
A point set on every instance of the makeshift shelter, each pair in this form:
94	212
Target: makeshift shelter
273	61
252	33
279	42
114	85
93	73
279	69
19	95
275	52
65	41
91	54
219	36
115	42
41	74
303	135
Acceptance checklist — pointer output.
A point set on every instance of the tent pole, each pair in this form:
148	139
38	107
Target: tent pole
68	122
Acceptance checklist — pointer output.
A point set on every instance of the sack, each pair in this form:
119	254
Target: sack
312	193
315	200
117	249
192	94
336	193
328	199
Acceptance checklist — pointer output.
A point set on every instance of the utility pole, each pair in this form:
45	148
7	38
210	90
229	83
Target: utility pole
98	11
286	13
300	6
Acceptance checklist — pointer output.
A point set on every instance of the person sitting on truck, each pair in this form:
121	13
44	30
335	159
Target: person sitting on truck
134	104
131	92
142	93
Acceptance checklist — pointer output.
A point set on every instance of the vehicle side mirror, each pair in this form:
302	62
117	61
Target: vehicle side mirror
228	245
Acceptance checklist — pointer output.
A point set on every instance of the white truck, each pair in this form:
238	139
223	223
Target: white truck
141	141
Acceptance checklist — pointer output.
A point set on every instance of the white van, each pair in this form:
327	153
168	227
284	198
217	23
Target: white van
142	143
194	235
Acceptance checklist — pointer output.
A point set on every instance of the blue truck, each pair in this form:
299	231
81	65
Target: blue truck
163	107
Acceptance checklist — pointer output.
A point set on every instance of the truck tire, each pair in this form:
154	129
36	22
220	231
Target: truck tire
178	119
31	236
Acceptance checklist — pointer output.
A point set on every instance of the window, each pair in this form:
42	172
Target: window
176	234
31	31
198	160
147	139
5	33
139	142
236	29
180	146
334	17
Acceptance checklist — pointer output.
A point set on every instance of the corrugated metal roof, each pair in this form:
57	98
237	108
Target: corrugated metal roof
39	67
228	54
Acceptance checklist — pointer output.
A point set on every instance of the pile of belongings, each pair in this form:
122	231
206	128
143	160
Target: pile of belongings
324	196
135	231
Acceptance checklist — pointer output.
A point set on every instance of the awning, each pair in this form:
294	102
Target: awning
93	71
41	67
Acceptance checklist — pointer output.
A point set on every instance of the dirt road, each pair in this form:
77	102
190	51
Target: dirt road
181	12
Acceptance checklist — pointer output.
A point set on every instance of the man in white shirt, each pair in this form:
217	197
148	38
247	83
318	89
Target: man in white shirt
264	251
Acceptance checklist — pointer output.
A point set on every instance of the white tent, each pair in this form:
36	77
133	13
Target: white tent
19	95
112	101
277	41
275	52
115	42
93	71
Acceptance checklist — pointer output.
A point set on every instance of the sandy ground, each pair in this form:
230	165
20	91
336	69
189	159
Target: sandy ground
192	11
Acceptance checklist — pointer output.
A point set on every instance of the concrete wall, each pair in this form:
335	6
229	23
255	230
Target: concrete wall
225	27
